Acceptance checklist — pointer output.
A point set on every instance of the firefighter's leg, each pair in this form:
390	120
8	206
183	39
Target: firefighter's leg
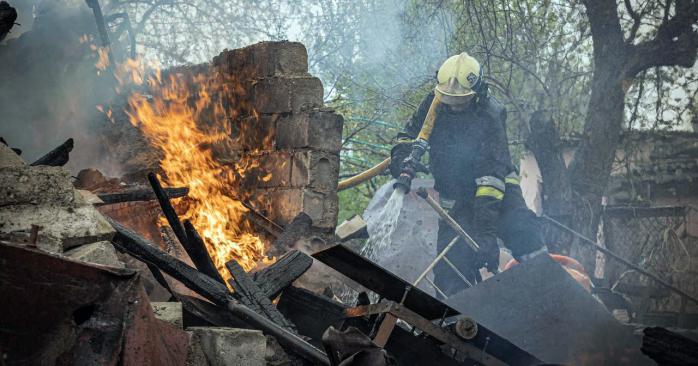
460	255
519	227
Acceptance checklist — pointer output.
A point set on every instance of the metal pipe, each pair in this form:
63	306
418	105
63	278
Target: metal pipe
437	288
298	345
459	273
422	192
436	260
617	257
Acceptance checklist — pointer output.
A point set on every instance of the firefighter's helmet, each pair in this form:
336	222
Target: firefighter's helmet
459	79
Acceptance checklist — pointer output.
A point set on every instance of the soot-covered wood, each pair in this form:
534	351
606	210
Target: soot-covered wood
273	279
253	297
58	156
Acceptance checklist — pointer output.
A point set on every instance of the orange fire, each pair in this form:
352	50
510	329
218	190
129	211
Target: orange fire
184	116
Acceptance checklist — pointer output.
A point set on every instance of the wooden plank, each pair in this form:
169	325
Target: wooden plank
168	210
260	303
275	278
300	226
58	156
199	254
132	243
669	348
139	195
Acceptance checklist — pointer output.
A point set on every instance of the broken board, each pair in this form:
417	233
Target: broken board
381	281
543	310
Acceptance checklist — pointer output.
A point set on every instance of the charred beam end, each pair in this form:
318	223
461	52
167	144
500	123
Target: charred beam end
196	249
252	296
58	156
669	348
167	209
145	251
140	195
275	278
8	15
300	226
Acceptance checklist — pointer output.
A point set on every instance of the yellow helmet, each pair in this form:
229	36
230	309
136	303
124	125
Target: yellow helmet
459	78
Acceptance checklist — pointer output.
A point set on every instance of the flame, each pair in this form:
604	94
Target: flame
170	116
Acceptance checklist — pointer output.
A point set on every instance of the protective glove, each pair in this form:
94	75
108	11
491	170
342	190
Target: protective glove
398	154
486	216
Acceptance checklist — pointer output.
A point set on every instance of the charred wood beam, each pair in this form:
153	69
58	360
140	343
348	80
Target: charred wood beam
140	195
102	29
253	297
196	248
58	156
264	223
168	210
135	245
8	15
16	150
669	348
275	278
300	226
208	314
132	243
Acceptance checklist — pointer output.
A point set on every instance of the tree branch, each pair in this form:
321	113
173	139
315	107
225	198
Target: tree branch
675	44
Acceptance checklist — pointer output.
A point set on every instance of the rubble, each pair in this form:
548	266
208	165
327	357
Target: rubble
60	228
78	314
170	312
9	158
90	309
101	252
216	346
44	197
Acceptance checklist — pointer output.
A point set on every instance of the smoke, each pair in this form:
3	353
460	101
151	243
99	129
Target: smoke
49	85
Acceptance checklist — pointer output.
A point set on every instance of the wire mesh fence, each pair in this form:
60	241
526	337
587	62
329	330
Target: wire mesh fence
654	238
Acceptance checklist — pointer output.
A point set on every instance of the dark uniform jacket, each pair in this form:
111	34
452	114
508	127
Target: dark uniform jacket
464	145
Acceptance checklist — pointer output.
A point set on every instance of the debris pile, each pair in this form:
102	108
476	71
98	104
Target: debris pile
80	267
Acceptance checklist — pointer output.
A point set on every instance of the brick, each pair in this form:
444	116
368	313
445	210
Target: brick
285	94
316	129
265	59
214	346
256	133
269	169
315	169
287	203
170	312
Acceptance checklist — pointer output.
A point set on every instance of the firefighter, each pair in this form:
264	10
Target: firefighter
464	129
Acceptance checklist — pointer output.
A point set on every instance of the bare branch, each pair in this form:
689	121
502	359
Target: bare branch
675	43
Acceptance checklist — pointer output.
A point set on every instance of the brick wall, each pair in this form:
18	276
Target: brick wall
292	136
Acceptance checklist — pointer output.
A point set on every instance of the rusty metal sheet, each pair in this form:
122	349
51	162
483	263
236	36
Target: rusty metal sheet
59	311
381	281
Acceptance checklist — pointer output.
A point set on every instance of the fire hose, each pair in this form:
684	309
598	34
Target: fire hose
412	163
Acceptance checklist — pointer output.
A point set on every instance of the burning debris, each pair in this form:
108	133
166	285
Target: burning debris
229	183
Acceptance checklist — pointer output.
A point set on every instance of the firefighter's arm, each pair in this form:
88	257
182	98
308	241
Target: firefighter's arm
403	148
415	123
491	170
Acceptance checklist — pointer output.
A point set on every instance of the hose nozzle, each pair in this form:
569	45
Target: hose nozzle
403	183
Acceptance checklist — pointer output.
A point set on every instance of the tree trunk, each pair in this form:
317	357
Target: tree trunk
544	143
